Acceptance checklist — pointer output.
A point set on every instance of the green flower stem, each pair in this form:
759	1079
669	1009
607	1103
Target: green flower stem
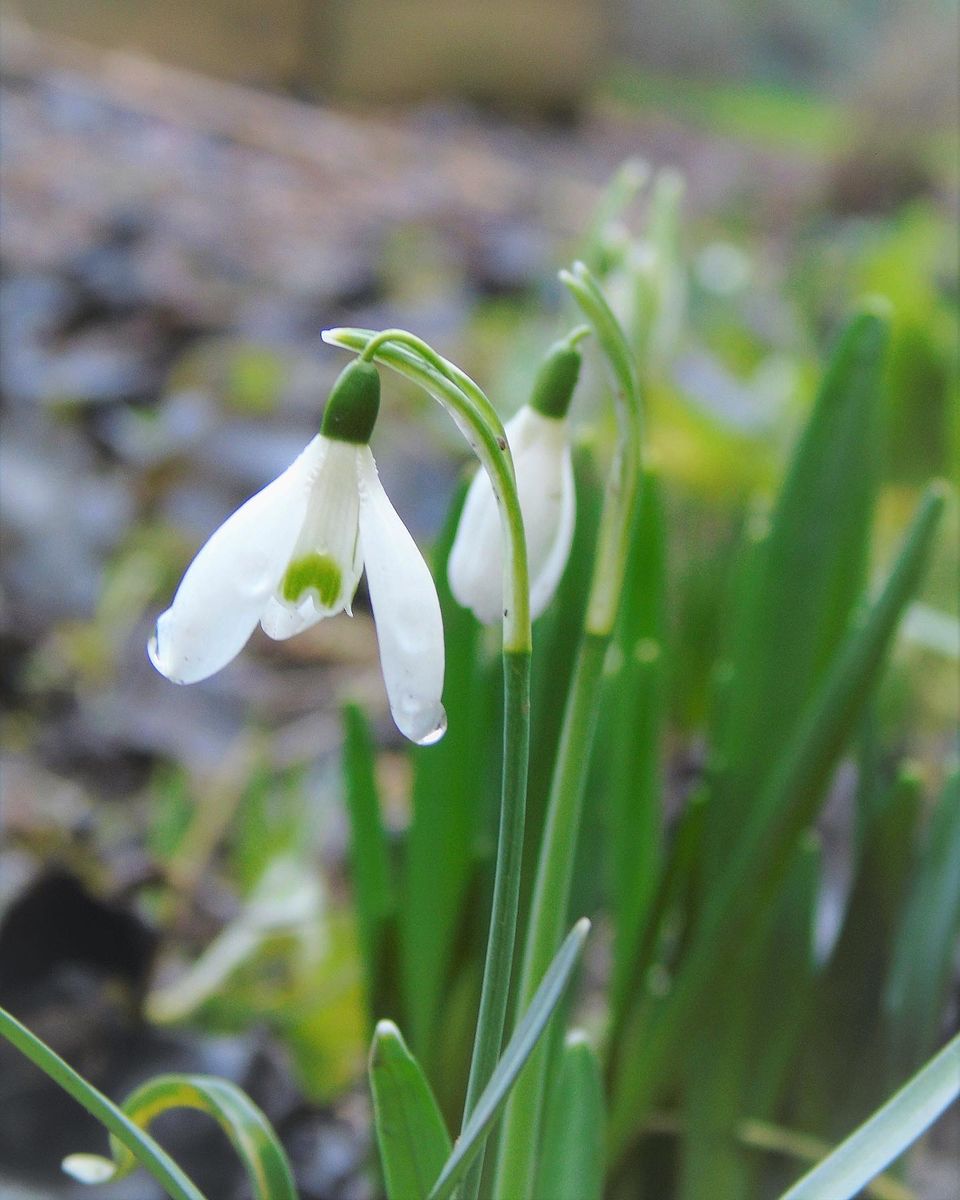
501	938
516	1162
156	1160
517	1159
478	420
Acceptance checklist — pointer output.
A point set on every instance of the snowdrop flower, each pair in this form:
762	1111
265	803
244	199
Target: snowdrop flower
539	442
293	554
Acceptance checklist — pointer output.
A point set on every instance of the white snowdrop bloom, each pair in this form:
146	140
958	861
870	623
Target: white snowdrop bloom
539	442
293	554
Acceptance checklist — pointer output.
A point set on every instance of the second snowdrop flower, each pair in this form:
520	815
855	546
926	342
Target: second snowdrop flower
539	442
293	554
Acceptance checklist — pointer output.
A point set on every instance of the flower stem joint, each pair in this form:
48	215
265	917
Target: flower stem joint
293	554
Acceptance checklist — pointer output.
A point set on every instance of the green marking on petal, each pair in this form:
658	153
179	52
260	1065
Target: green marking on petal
318	572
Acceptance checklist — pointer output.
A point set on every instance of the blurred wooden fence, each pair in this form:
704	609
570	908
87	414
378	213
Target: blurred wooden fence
537	53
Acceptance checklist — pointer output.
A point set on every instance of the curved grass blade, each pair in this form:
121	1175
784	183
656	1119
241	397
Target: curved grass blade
887	1134
519	1049
413	1140
249	1131
571	1157
139	1144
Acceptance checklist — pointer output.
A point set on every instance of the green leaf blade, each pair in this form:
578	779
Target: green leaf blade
249	1131
413	1140
518	1050
787	807
808	573
925	942
571	1161
887	1134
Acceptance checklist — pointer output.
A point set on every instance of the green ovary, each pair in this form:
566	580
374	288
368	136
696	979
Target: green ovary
314	572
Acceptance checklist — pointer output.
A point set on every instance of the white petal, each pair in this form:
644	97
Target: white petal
331	530
541	455
545	482
227	585
544	583
406	611
474	568
281	621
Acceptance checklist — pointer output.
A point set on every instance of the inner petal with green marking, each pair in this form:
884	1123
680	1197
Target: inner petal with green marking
313	572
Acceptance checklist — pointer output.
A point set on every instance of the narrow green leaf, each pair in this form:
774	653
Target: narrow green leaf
156	1160
887	1134
633	732
785	809
449	784
843	1075
519	1049
556	636
653	959
925	942
757	1011
809	573
249	1131
571	1157
374	898
413	1140
784	978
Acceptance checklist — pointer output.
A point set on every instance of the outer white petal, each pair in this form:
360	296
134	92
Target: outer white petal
541	456
227	585
545	482
474	568
406	611
544	583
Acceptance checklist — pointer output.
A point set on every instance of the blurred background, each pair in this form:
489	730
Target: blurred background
191	193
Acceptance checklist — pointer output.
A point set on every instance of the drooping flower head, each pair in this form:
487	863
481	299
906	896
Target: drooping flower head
539	442
293	554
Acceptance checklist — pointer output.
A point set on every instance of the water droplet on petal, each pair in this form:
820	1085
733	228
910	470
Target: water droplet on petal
435	734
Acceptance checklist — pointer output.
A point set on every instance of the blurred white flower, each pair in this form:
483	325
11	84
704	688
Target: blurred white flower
293	554
539	441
